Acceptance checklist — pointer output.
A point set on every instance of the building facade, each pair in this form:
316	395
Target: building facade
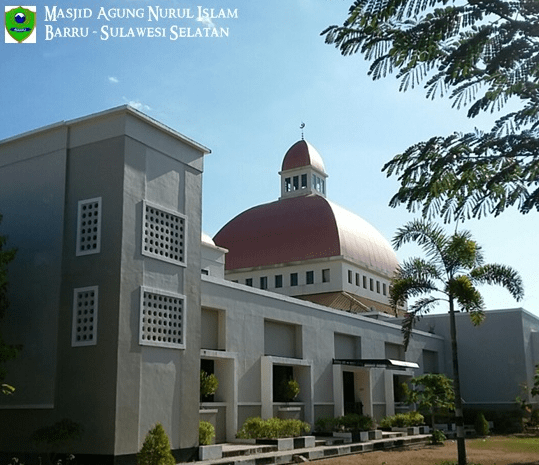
119	304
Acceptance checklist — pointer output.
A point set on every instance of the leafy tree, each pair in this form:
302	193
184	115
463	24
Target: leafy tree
482	54
453	267
7	351
535	388
431	392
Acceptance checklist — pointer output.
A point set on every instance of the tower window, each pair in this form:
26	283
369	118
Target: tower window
84	328
303	181
325	275
357	279
162	319
371	284
364	282
350	276
309	277
163	234
295	182
287	185
293	279
89	226
378	287
279	280
384	288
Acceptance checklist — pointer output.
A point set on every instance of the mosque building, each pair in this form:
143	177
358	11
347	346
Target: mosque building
119	300
305	246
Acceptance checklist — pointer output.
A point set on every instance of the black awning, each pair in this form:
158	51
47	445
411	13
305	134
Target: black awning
376	363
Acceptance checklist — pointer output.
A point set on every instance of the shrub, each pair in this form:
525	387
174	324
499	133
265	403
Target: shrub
156	448
58	435
208	384
62	431
206	433
354	422
438	437
325	424
290	390
273	428
534	418
481	425
403	420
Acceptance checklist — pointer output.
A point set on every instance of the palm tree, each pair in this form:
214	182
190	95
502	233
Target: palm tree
452	269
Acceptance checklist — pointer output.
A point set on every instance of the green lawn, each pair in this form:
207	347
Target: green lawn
505	444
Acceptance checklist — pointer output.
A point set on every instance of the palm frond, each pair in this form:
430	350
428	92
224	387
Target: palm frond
468	297
501	275
429	236
418	309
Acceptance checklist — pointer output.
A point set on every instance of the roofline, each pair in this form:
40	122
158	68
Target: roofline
458	314
120	109
305	303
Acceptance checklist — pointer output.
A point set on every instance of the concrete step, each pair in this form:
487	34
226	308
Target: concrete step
313	453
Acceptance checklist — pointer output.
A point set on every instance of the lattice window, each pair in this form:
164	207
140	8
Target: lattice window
89	227
84	328
162	319
164	234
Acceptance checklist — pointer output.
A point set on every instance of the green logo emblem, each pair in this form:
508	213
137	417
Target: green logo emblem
20	23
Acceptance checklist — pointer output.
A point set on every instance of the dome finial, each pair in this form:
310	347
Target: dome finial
301	126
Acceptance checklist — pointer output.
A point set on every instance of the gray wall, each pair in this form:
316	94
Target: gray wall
116	389
494	358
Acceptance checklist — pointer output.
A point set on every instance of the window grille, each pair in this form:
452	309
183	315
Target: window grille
162	319
84	327
163	235
89	227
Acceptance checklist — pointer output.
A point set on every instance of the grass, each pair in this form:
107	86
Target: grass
506	444
501	444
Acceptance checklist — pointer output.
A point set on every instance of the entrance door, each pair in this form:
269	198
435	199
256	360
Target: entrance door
349	394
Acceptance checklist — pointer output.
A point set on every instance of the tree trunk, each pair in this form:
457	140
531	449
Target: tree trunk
459	416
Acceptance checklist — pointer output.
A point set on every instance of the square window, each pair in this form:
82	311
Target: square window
309	277
162	319
249	282
264	282
163	234
279	280
325	275
293	279
89	227
84	326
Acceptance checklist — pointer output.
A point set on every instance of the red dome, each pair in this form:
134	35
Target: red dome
302	154
302	228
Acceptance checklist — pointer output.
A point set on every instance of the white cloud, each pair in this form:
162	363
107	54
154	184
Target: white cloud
137	105
113	80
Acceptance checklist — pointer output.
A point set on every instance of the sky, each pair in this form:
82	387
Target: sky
244	95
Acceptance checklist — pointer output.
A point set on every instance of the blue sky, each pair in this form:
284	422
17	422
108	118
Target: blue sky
244	96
